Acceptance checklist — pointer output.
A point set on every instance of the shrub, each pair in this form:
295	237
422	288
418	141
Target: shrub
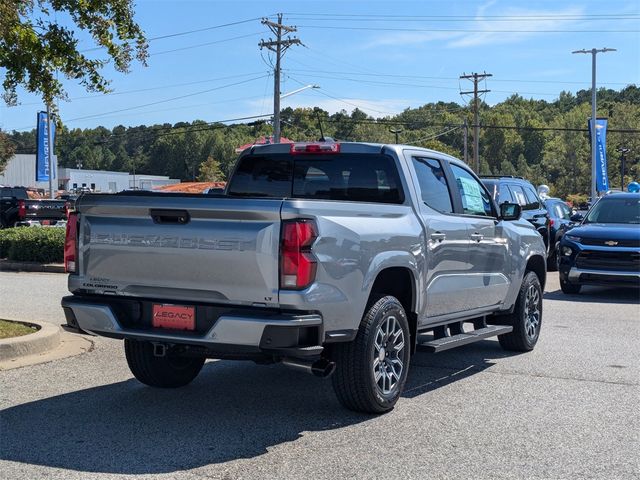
32	244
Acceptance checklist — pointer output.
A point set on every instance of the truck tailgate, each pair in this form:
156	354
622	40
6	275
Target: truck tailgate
176	247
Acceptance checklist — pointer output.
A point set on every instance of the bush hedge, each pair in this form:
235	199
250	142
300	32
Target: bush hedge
32	244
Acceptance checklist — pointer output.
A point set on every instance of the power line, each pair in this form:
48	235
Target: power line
391	75
189	47
550	15
188	32
466	19
457	30
140	90
167	99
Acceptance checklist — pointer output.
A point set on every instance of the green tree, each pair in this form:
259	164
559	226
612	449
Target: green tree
34	45
210	171
7	149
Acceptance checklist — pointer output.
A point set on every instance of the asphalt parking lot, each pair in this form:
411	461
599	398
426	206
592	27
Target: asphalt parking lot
570	409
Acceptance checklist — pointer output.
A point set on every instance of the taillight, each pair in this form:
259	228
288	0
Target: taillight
71	243
297	263
551	222
317	148
22	210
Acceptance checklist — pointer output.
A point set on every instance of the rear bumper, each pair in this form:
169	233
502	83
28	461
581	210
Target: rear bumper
41	223
281	334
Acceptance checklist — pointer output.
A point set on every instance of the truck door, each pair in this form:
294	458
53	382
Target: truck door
447	242
487	279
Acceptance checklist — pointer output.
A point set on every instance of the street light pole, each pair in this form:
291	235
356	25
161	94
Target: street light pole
623	151
593	52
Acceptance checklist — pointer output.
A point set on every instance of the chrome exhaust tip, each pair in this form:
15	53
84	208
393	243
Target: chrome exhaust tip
318	368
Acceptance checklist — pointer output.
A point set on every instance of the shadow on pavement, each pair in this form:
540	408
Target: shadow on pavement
593	294
233	410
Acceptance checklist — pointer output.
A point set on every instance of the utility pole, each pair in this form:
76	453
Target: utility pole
476	77
466	141
623	151
279	46
397	132
593	52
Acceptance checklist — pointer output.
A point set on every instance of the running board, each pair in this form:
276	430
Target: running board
445	343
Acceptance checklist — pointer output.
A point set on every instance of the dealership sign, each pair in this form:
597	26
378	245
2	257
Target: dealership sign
44	153
602	179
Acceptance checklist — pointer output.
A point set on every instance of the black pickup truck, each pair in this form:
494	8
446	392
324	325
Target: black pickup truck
17	209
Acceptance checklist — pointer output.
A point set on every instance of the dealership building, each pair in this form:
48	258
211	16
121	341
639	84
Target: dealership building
21	171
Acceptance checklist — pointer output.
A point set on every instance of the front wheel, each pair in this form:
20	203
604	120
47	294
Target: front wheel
526	317
169	371
569	288
372	369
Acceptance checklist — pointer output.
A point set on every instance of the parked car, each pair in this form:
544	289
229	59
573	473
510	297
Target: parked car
18	210
561	219
320	256
518	190
605	248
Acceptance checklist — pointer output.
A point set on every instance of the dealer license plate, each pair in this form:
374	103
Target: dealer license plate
174	317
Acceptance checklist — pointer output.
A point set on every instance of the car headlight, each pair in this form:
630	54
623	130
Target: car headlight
566	251
573	238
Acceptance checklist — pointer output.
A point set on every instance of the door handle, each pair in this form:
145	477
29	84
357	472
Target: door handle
438	236
477	237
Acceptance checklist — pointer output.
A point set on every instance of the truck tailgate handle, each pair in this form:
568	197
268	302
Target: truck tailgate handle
178	217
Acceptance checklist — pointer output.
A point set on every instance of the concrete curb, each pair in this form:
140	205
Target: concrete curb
45	339
11	266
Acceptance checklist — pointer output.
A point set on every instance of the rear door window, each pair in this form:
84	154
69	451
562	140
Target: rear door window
533	202
518	195
433	184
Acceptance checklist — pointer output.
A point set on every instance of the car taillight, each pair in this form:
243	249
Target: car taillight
551	222
22	210
71	243
297	263
317	148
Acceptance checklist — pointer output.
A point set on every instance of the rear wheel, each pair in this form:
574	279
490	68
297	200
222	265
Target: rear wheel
371	371
168	371
526	317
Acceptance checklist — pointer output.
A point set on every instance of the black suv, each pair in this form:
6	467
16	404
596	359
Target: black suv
510	189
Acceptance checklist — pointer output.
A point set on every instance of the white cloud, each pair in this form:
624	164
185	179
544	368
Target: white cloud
515	30
484	28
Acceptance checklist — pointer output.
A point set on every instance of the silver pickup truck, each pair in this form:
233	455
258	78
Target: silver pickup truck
333	258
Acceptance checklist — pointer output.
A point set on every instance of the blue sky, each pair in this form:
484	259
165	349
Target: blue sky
382	56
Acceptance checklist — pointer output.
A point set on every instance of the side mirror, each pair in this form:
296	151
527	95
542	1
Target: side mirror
576	217
510	211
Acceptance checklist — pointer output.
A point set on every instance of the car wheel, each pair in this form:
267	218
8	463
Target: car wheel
168	371
372	369
569	288
526	318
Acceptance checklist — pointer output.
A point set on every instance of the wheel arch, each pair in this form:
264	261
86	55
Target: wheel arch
538	265
400	282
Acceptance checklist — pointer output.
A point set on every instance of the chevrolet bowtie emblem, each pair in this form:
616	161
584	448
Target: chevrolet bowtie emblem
611	243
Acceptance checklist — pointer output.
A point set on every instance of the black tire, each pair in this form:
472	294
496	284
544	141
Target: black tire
354	380
569	288
526	318
170	371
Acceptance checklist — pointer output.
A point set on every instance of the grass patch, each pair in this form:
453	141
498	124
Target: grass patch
32	244
14	329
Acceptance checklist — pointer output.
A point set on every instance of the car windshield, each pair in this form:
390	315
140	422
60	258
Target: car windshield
615	210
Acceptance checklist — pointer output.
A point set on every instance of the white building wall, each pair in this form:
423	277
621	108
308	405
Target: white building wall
21	171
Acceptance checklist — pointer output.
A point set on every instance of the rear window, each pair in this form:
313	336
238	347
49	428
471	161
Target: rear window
347	177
